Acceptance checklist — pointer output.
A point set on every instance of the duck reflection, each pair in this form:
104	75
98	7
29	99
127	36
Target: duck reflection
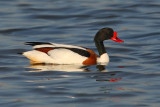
51	67
67	68
105	76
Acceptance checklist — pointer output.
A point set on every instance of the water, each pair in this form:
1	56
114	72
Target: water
131	78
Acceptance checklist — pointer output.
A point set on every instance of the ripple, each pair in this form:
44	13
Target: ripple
60	17
11	30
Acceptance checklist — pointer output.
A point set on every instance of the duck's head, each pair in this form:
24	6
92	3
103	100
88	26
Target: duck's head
106	34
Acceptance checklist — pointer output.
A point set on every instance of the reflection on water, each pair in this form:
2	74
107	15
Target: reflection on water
102	73
52	67
66	68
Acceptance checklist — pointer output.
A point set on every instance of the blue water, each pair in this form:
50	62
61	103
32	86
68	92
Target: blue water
131	79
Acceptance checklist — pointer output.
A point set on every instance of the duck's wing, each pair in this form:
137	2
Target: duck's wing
37	45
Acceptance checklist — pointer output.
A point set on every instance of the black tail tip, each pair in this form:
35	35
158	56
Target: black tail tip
20	53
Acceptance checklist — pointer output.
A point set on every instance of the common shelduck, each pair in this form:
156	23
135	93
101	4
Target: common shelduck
53	53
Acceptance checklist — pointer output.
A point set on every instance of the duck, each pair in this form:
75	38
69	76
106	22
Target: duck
53	53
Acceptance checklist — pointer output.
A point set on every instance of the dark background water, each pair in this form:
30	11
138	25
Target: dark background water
131	78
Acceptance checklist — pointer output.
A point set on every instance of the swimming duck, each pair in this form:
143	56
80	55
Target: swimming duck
53	53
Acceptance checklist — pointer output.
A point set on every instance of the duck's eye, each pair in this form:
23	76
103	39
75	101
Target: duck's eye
107	33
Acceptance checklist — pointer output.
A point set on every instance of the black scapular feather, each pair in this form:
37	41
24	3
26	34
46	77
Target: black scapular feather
37	43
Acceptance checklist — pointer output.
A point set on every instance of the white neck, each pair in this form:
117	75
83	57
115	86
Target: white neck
103	59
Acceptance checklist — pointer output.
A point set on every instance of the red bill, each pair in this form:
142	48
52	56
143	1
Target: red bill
116	39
